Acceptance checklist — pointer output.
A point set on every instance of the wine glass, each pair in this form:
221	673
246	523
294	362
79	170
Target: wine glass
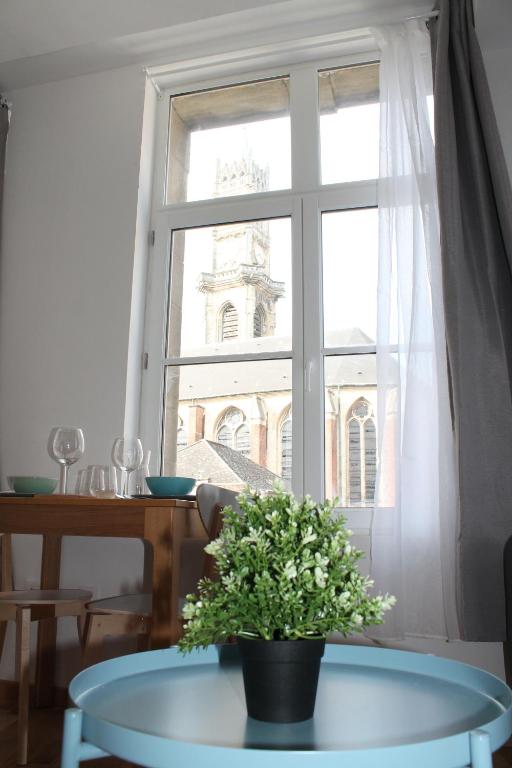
65	446
126	455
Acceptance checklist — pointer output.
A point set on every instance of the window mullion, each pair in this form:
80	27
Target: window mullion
308	439
155	336
313	371
305	129
210	213
298	350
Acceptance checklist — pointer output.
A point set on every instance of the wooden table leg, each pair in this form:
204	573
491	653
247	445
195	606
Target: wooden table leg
47	628
5	578
164	529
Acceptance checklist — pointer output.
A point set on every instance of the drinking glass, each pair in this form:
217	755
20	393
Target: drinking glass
103	483
65	446
83	481
142	472
126	455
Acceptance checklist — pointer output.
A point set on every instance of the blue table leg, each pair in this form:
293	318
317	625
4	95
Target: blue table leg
480	745
73	748
71	738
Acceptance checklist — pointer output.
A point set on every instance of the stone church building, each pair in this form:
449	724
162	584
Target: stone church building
246	407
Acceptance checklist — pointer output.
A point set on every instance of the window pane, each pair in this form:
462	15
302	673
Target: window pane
354	461
370	458
243	440
350	437
230	289
232	415
229	141
349	123
286	451
349	253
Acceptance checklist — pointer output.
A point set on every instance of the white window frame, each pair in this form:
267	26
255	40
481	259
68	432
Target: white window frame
305	203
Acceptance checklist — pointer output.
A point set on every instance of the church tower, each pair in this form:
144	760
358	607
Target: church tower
240	295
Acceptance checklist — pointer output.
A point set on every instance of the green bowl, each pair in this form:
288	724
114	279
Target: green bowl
170	486
31	484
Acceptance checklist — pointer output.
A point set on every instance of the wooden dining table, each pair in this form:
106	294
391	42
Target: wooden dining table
166	524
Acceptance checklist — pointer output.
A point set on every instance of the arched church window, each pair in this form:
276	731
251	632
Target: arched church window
370	458
229	323
354	460
286	448
260	322
362	453
225	435
233	431
243	440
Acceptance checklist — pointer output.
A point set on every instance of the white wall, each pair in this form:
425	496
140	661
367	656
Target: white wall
71	191
498	65
65	291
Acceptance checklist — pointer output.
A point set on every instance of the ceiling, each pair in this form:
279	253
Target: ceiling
34	27
43	40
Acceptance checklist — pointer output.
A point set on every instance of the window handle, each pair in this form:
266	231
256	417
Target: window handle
308	370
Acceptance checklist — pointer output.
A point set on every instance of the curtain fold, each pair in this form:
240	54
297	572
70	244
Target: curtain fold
475	202
414	524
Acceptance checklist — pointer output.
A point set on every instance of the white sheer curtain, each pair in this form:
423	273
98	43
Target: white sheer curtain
413	537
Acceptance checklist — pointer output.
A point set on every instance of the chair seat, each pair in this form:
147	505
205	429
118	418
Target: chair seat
44	596
138	605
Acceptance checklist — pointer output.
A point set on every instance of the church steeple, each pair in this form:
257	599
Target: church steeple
240	177
240	295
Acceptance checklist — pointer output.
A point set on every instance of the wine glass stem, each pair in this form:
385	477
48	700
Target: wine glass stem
63	480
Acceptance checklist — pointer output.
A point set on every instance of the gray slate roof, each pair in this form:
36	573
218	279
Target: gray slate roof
254	377
218	464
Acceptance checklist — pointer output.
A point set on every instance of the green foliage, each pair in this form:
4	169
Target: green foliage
286	571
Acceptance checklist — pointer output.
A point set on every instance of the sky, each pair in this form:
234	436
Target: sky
349	151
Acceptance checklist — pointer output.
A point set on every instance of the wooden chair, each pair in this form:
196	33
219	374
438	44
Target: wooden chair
131	614
23	607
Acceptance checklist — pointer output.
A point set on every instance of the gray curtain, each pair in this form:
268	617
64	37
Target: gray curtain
475	202
4	128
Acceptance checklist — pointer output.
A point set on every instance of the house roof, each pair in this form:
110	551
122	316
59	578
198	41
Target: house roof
218	464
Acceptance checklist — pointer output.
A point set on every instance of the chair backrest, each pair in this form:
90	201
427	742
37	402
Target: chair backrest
211	500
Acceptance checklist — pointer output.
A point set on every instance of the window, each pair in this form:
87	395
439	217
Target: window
361	454
229	323
260	326
233	432
243	440
268	232
286	449
349	107
221	140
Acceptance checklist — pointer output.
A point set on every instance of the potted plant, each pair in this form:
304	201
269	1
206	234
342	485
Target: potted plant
287	576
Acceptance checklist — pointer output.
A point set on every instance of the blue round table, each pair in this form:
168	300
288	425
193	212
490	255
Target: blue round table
375	707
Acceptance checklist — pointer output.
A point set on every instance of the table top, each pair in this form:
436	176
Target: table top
69	500
66	515
407	706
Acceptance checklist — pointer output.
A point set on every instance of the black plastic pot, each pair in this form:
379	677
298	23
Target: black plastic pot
280	678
